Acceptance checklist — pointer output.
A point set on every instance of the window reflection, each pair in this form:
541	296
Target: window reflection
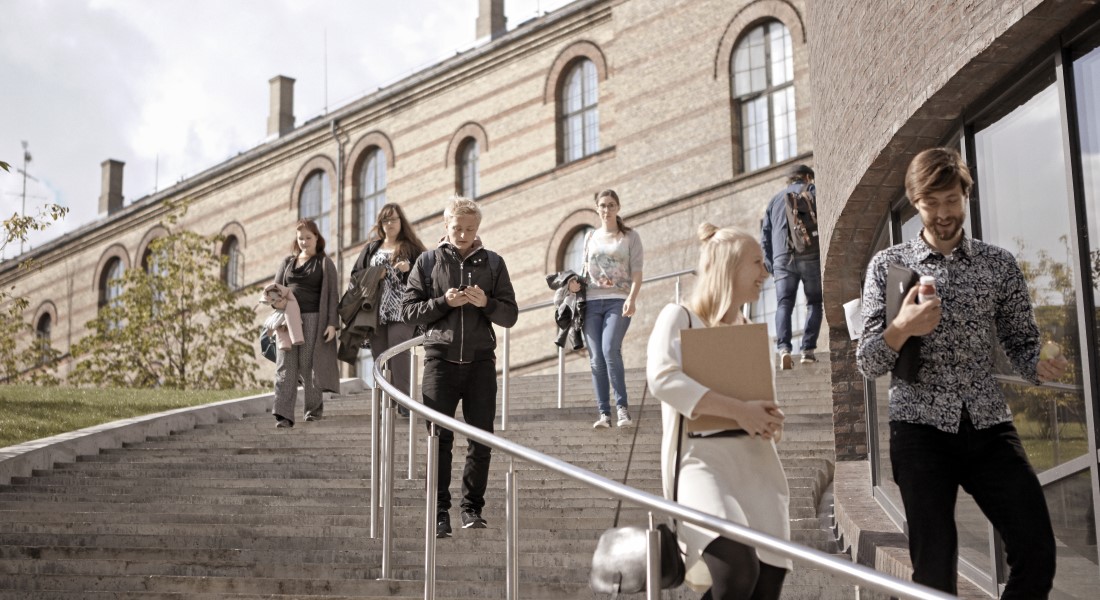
1087	79
1071	513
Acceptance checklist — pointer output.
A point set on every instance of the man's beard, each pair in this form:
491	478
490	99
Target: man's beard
946	232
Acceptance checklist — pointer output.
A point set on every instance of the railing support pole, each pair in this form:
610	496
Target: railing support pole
388	418
511	532
432	477
653	562
505	374
412	416
561	377
677	289
375	458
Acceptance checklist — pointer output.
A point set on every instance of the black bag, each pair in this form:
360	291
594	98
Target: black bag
619	563
801	211
267	344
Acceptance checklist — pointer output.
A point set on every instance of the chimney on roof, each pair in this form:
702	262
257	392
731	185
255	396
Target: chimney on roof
491	22
281	120
110	196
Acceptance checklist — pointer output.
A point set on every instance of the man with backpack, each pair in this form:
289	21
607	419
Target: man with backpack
792	255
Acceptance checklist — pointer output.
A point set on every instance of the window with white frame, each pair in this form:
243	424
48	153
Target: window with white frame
580	116
763	93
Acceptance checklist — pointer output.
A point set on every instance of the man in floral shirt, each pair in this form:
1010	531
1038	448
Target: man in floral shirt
951	427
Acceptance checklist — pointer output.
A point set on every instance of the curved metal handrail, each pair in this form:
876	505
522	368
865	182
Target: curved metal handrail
856	573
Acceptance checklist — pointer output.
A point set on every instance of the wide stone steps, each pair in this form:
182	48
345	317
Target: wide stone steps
239	510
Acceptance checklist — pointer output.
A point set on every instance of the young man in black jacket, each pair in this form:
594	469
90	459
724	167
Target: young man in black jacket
457	292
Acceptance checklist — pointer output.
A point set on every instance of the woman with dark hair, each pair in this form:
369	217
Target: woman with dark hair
393	244
734	474
613	277
311	277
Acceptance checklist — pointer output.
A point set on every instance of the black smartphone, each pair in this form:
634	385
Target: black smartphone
469	276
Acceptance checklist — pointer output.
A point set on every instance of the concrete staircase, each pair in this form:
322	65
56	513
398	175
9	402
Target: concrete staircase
240	510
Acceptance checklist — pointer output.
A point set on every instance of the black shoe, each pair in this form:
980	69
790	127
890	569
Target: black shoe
443	525
471	519
283	423
313	417
402	411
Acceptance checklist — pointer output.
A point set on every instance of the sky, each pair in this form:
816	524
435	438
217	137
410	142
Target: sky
174	87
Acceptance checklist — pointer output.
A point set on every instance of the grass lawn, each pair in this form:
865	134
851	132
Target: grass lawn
29	413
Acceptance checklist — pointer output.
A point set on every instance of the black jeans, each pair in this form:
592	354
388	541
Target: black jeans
475	385
990	464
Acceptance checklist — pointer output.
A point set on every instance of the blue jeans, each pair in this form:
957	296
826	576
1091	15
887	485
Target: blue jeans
787	278
604	330
991	465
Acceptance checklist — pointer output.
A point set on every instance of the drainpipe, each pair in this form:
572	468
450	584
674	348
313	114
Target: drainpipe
339	198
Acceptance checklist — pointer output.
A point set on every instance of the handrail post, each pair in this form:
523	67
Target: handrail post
511	532
504	380
388	418
375	459
412	416
677	289
561	376
432	477
652	562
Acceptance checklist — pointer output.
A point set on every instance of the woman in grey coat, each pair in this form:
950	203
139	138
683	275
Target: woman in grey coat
311	277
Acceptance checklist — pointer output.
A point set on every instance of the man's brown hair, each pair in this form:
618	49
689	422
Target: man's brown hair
935	170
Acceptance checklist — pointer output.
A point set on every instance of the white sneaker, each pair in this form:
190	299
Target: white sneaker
786	362
624	418
603	423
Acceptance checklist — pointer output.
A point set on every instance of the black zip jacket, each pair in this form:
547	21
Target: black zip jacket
465	333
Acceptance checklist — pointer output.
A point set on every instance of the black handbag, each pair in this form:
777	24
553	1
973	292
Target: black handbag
619	561
267	344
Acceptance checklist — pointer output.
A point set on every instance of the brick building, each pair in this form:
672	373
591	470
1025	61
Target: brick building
1015	85
636	95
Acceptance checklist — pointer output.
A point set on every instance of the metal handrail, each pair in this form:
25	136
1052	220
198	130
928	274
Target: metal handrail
856	573
506	375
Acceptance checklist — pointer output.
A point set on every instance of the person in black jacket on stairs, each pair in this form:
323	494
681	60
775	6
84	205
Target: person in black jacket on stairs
457	292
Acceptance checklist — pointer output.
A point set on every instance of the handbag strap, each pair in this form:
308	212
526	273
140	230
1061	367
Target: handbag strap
679	437
630	456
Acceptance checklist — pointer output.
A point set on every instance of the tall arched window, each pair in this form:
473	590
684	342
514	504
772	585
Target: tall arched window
233	269
110	285
763	92
573	259
372	192
315	202
580	116
466	169
42	332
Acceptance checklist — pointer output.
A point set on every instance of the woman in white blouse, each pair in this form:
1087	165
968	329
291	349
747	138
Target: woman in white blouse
734	474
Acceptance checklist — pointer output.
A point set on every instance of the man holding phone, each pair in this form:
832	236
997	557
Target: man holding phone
457	292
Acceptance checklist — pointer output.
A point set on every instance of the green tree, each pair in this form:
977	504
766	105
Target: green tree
35	362
175	324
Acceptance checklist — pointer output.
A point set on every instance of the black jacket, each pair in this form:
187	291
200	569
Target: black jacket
465	333
569	314
364	260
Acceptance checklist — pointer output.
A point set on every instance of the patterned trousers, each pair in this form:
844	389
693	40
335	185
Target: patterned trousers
293	365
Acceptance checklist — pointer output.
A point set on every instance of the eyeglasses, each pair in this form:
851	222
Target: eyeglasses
390	221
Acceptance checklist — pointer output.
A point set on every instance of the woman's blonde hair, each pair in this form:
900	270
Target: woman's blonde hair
720	257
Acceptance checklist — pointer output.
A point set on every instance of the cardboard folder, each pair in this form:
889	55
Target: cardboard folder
732	360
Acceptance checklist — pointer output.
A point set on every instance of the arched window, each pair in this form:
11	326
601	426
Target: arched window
110	284
372	192
580	117
573	259
315	202
466	169
763	94
233	269
42	331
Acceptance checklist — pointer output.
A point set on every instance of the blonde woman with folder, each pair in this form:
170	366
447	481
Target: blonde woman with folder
728	467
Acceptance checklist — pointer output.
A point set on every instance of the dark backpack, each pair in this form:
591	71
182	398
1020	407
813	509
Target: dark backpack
801	208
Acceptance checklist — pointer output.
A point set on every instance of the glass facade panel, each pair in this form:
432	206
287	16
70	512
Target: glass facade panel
1070	503
1087	79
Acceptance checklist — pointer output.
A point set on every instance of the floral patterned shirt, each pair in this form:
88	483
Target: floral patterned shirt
984	298
610	261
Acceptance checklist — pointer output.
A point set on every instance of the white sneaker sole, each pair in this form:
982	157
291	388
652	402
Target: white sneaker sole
787	362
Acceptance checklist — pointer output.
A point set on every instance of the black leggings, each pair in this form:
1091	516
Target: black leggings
737	574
